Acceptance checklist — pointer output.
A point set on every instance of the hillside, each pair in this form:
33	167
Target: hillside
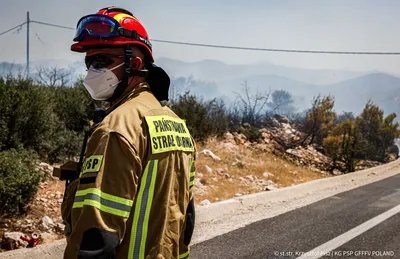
219	71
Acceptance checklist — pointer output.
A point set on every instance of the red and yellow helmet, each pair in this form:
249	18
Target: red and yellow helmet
111	26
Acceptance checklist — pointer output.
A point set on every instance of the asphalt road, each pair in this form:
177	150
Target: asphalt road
350	224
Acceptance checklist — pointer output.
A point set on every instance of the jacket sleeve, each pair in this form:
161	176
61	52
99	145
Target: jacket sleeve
190	211
189	223
103	202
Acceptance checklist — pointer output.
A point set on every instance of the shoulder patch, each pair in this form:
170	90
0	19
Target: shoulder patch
168	133
92	164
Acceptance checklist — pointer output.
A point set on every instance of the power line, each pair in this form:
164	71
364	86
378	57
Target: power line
238	47
277	50
53	25
13	28
252	48
38	37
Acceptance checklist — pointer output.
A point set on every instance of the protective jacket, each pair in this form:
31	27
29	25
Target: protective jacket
133	198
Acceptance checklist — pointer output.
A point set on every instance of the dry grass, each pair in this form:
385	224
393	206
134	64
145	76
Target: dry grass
244	163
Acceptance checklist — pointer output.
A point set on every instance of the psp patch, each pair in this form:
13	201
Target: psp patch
92	164
168	134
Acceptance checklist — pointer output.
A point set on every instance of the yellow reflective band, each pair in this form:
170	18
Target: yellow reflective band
105	202
105	195
92	164
192	174
191	161
101	207
184	255
191	181
168	133
144	202
118	17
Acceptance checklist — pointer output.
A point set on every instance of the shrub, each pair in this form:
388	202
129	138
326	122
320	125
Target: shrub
19	180
26	115
203	119
47	119
253	134
64	145
74	106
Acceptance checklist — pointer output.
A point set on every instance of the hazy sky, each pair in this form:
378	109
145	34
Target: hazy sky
341	25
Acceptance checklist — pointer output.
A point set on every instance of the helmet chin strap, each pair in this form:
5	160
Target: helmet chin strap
128	71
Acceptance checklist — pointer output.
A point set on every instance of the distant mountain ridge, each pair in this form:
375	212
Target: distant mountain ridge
222	71
382	89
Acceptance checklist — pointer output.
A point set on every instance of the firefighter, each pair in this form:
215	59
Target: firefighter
134	194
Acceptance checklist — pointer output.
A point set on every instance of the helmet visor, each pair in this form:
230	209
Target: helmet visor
96	26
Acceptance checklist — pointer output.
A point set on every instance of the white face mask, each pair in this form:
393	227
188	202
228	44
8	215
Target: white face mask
101	83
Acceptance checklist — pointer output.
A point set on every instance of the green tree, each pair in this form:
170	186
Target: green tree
369	122
387	134
343	144
377	132
319	120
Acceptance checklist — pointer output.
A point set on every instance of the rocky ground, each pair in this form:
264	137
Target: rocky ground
43	218
228	167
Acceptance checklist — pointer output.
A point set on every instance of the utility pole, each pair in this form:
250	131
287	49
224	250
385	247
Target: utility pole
27	44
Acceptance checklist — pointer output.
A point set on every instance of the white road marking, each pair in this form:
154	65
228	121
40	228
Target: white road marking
331	245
